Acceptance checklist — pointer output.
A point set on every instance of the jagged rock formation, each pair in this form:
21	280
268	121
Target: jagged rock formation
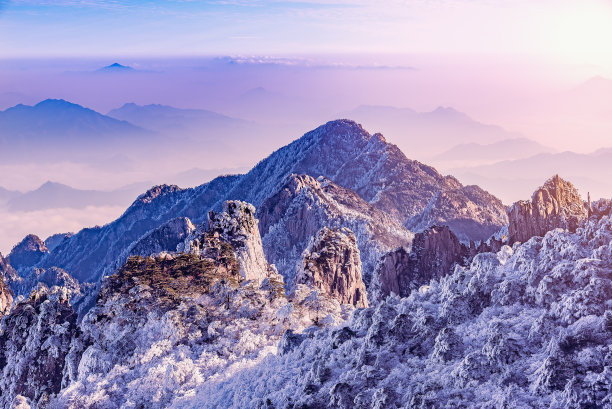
331	263
556	204
6	298
28	252
304	205
382	175
34	341
339	150
433	254
236	226
525	328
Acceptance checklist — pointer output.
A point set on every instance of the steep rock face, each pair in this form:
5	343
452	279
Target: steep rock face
237	226
556	204
433	254
28	252
332	264
34	341
339	150
304	205
6	298
524	328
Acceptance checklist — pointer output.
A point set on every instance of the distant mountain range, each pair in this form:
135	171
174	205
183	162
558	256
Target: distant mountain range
169	120
6	194
53	195
479	154
514	179
58	129
423	135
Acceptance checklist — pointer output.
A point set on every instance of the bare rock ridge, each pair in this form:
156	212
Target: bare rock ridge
331	263
34	341
28	252
556	204
304	205
237	226
433	254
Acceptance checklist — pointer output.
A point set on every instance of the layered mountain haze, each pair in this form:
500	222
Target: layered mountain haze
53	195
175	121
513	179
423	135
51	125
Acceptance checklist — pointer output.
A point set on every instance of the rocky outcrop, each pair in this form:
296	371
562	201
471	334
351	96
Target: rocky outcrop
34	341
6	298
28	252
304	205
331	264
557	204
237	226
433	254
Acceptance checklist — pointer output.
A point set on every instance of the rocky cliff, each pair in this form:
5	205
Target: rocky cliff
236	226
555	204
34	341
433	254
304	205
331	263
28	252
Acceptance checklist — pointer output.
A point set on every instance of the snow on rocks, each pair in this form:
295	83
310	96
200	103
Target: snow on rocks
525	328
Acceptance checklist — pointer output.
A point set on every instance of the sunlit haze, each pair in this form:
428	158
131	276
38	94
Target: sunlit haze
537	70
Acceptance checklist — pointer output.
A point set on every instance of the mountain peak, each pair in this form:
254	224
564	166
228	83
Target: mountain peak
555	204
116	67
56	103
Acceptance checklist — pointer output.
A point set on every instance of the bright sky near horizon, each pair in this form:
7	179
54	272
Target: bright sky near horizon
576	32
